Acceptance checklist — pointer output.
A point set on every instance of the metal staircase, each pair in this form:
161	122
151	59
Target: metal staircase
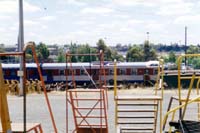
89	111
137	114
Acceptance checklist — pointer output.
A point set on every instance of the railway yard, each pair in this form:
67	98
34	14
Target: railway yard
65	81
37	109
95	109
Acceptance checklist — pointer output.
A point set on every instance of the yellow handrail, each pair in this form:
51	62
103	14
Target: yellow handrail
115	93
187	101
179	71
4	111
188	95
179	107
160	76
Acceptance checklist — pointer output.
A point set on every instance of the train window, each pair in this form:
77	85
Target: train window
155	71
106	71
70	72
111	71
83	72
31	72
62	72
122	72
146	71
13	73
7	72
134	72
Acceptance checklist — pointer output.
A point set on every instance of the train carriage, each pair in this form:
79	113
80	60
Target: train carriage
84	72
10	71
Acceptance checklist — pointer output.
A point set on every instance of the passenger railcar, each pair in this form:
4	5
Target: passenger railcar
10	71
56	72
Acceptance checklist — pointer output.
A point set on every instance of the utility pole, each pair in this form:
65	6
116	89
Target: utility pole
185	45
148	37
20	49
21	39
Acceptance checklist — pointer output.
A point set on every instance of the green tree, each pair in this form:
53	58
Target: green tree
116	56
134	53
2	50
29	57
149	52
42	51
165	58
101	45
108	54
146	50
61	55
193	50
196	63
172	57
86	49
73	50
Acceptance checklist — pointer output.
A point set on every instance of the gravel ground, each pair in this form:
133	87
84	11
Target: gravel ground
37	108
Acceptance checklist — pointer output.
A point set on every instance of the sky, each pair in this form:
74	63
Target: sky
115	21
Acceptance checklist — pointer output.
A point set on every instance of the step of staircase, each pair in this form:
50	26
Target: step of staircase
137	114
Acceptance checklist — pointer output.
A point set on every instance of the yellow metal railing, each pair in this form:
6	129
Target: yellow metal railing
179	107
179	79
115	93
187	101
179	73
159	85
4	111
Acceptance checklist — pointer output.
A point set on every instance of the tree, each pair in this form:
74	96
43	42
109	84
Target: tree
101	45
134	53
172	57
2	50
149	52
61	55
73	48
29	54
108	54
193	50
42	51
146	50
107	51
196	63
86	49
117	56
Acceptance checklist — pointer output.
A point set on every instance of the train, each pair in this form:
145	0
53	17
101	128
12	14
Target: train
130	72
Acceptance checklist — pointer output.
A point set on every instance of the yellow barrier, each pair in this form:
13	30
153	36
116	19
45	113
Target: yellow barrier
179	107
4	113
187	101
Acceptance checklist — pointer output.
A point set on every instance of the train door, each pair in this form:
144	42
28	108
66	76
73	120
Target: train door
95	74
49	76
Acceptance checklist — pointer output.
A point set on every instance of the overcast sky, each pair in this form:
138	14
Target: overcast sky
116	21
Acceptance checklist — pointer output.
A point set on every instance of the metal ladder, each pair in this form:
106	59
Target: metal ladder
89	111
137	114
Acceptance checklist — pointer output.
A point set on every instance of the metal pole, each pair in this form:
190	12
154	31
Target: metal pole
21	39
20	49
185	44
148	37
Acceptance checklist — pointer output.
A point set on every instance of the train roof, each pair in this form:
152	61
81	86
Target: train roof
28	65
62	65
85	64
96	64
